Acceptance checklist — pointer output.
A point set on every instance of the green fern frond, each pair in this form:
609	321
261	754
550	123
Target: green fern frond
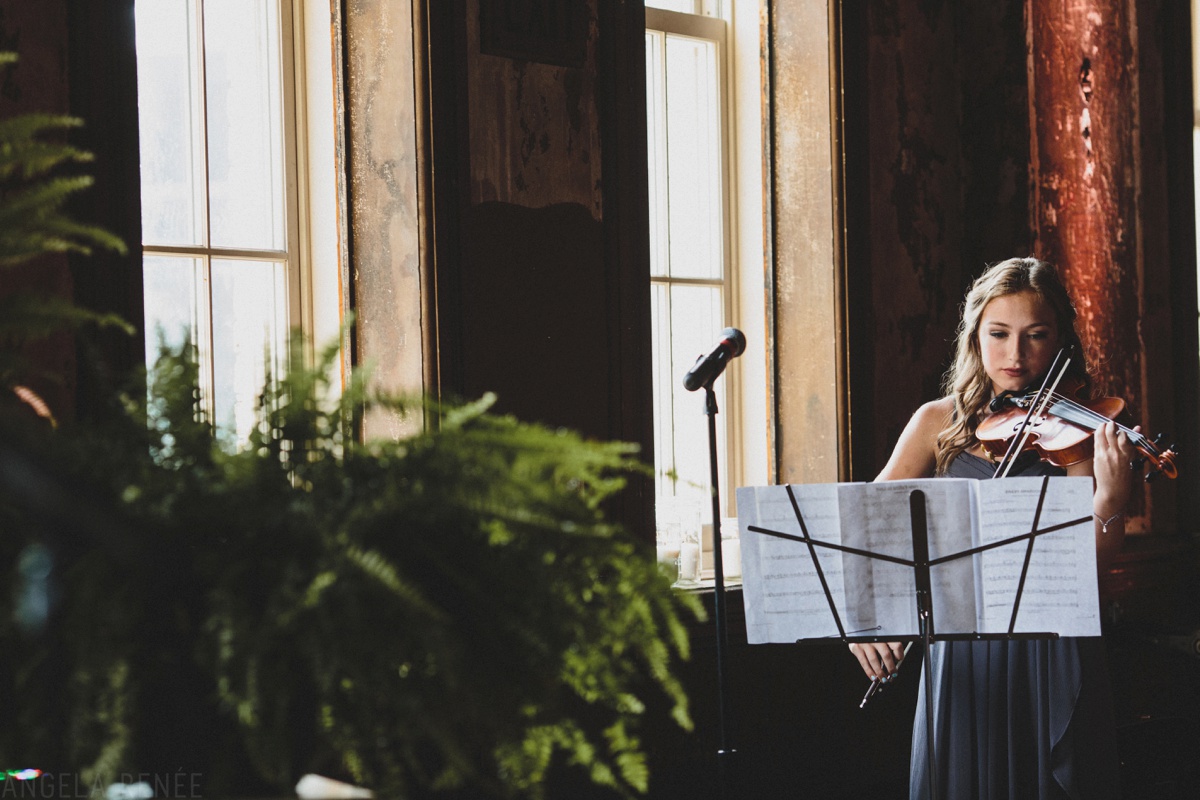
31	125
26	316
24	157
31	223
40	199
377	567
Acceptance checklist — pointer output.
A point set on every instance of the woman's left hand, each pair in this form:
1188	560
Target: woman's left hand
1114	463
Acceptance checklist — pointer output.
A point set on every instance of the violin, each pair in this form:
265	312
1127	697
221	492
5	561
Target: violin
1060	430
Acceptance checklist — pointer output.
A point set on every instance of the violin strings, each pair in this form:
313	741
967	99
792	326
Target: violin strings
1082	415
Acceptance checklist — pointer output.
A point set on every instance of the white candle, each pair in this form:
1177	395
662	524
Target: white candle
689	562
668	561
731	558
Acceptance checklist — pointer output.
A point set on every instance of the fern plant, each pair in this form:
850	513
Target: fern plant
449	611
453	610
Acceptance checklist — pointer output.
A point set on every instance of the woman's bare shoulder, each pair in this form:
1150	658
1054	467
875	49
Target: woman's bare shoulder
935	414
916	450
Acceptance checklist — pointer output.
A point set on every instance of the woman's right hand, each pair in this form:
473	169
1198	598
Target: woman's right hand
878	659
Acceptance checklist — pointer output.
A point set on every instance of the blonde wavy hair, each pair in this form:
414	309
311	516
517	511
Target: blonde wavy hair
966	380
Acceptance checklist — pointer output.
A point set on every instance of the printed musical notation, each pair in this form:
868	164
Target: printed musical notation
785	600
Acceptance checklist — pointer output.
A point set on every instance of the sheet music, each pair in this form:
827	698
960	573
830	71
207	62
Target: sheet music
786	602
876	585
950	509
783	595
1060	588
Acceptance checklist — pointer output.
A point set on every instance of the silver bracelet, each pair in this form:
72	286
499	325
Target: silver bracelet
1104	523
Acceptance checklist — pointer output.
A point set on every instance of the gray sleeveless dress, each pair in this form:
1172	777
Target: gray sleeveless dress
1022	719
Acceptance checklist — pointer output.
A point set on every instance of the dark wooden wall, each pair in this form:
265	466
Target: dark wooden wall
938	186
539	270
103	92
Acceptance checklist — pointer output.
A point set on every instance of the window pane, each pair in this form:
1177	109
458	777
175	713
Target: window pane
249	308
171	287
695	316
656	143
664	388
693	158
169	120
245	110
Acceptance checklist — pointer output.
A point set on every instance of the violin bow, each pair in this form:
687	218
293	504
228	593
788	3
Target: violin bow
1059	368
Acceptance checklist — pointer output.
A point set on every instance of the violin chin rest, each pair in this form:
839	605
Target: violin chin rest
1000	401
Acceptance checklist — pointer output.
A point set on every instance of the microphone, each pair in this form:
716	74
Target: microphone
707	368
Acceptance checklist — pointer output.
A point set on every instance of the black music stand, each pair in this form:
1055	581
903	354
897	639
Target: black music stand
920	564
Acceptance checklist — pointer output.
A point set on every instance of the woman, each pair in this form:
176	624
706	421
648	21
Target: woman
1014	719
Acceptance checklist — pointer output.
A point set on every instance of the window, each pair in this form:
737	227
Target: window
704	275
221	202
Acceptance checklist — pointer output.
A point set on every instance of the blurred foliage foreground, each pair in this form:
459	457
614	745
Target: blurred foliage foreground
450	611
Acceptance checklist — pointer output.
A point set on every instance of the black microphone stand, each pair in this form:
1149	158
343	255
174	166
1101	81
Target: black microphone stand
724	751
706	370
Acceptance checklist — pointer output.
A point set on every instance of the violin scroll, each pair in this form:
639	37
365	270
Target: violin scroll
1163	463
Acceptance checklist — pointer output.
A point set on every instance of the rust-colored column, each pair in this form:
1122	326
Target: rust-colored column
1084	157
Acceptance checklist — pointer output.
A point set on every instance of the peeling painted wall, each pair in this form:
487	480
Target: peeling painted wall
534	289
384	213
534	127
804	330
947	148
1085	170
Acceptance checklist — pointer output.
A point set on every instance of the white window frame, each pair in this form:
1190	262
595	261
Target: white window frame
311	242
735	27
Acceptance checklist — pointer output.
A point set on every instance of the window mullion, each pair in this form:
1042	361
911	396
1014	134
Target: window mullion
218	252
715	283
204	338
205	344
297	208
202	128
